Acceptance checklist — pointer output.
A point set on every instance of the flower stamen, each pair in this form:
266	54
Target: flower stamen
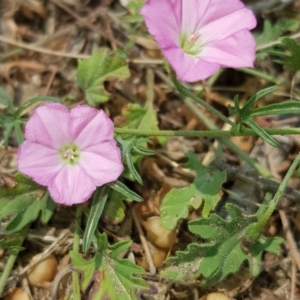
191	43
69	154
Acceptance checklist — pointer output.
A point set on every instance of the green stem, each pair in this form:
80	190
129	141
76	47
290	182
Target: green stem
273	203
11	260
206	133
77	231
261	75
8	267
253	232
191	95
244	156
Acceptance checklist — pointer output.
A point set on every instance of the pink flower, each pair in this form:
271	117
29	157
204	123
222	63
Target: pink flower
70	152
198	37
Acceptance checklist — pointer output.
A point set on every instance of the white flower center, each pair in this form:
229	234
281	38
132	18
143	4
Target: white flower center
191	43
70	154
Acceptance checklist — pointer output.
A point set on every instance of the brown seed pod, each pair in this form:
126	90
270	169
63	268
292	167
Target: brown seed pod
159	235
18	294
43	271
215	296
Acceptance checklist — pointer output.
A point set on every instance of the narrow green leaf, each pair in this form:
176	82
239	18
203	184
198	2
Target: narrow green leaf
6	101
33	101
92	73
132	168
287	107
7	131
255	97
262	133
19	133
99	200
124	190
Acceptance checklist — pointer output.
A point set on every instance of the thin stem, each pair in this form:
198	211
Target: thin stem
261	75
77	230
11	260
274	202
206	133
276	42
244	156
8	267
191	95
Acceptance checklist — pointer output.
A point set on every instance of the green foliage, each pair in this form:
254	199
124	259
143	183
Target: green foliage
12	120
114	211
24	203
206	186
224	251
107	275
99	201
272	32
134	7
286	107
245	115
291	60
125	191
116	192
12	244
133	150
92	73
143	118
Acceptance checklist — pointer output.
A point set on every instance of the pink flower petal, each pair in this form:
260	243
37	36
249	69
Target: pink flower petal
236	51
102	163
39	162
227	25
195	25
193	13
167	14
90	126
71	186
188	68
206	11
49	125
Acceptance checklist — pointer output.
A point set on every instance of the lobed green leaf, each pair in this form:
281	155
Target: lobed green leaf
205	188
107	275
223	252
92	73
